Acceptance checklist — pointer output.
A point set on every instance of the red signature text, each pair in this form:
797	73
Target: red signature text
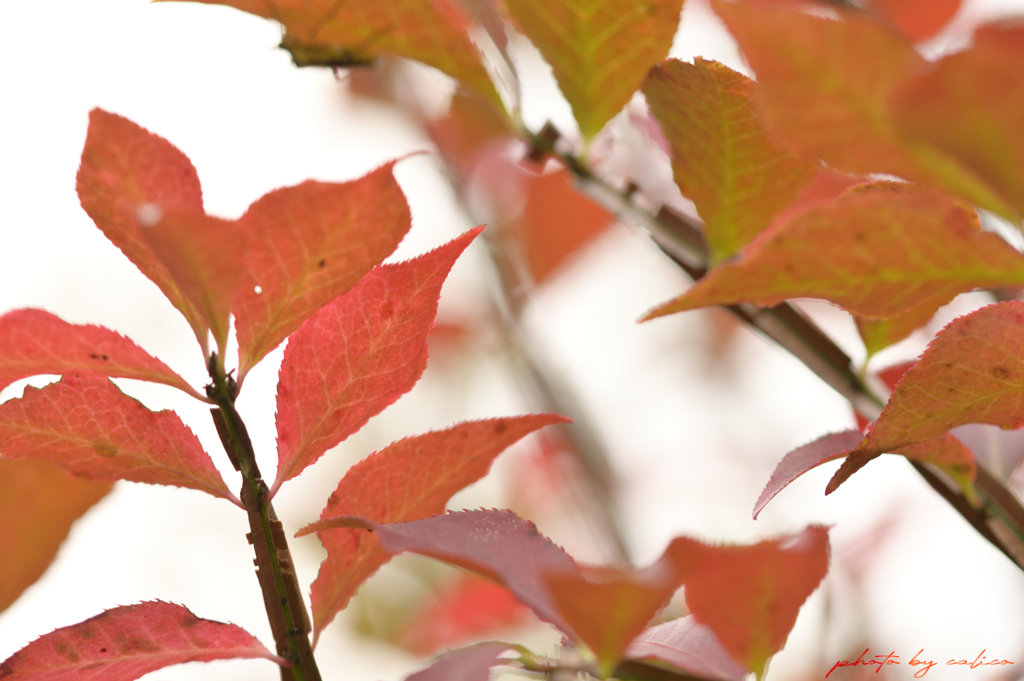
879	661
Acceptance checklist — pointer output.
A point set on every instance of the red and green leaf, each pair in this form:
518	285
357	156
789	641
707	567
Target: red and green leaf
690	646
38	505
34	342
878	250
599	52
125	167
309	244
93	430
824	88
722	158
408	480
356	355
435	32
879	334
125	643
970	106
204	256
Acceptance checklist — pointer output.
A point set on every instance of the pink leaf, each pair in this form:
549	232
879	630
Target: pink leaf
123	168
688	645
802	459
34	342
497	544
472	663
408	480
356	355
307	245
126	642
93	430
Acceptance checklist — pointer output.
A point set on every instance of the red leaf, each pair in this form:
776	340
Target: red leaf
916	19
126	642
93	430
970	105
466	611
722	158
356	355
309	244
204	256
496	544
802	459
410	479
689	646
824	89
601	53
557	221
38	504
123	168
472	663
750	595
331	33
878	250
34	342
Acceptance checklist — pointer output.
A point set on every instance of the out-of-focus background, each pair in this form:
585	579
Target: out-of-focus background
692	411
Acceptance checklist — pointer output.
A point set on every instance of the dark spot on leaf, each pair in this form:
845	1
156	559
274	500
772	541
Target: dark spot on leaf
199	642
188	621
103	650
105	357
104	450
94	355
500	427
136	646
322	263
1002	373
532	532
6	670
87	632
63	649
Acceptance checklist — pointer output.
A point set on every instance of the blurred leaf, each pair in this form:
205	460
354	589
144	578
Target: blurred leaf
878	250
127	642
599	51
38	505
309	244
93	430
472	663
722	158
916	19
970	106
879	334
690	646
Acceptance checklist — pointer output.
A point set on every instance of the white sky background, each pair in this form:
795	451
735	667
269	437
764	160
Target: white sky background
693	446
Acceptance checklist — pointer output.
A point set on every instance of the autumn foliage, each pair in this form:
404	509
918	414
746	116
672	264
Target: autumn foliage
784	173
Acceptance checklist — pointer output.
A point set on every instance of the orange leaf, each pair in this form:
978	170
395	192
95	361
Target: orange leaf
879	334
824	89
124	643
205	257
599	52
410	479
356	355
688	645
970	106
972	372
722	159
309	244
34	342
38	504
93	430
878	250
750	595
123	168
331	33
557	221
916	19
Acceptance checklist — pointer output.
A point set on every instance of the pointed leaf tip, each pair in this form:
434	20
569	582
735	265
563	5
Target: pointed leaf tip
127	642
441	463
356	355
